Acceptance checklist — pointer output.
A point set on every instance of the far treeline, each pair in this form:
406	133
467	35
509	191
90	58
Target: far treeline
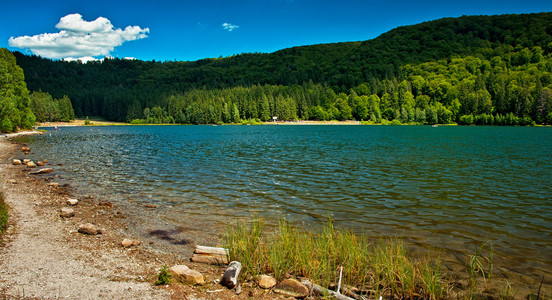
469	70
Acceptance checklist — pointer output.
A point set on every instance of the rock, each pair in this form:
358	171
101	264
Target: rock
291	288
230	277
16	162
31	165
66	212
72	202
45	161
25	149
26	160
185	275
42	171
39	163
90	229
266	281
150	206
128	242
12	181
53	184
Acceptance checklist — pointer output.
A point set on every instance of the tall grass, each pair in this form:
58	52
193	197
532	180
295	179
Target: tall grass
380	269
3	215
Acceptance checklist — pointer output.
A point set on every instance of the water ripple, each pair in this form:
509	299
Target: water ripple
452	188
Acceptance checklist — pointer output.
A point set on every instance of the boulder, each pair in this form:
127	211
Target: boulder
16	162
40	163
185	275
25	149
53	184
26	160
266	281
72	202
291	288
42	171
128	242
12	181
90	229
230	277
31	165
66	212
45	161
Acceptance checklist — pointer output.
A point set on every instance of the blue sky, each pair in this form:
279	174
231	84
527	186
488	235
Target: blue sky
190	30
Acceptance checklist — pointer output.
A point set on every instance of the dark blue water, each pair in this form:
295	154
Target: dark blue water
451	188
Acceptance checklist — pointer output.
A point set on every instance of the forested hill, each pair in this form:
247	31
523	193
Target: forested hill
484	52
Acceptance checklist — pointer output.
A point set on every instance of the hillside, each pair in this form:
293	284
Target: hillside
306	82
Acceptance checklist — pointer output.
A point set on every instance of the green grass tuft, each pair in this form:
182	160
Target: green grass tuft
3	215
381	269
164	277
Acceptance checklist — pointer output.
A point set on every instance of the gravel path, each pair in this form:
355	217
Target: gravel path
44	257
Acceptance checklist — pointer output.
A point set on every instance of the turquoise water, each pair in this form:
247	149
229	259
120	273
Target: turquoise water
448	188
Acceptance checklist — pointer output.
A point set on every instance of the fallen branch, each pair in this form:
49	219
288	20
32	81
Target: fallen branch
323	291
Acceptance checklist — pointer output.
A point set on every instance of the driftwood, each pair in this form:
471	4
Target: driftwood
230	277
323	291
210	250
42	171
210	255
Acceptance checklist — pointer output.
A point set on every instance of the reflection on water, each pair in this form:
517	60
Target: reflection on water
452	188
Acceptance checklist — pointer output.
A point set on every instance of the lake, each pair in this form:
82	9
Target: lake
450	188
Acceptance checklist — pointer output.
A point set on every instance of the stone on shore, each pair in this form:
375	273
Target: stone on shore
230	277
291	288
31	165
128	243
266	281
42	171
39	163
72	202
26	160
185	275
16	162
53	184
66	212
90	229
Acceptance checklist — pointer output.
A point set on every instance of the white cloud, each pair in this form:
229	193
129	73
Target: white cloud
79	38
229	27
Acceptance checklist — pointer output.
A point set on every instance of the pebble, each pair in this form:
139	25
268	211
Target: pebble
90	229
266	281
66	212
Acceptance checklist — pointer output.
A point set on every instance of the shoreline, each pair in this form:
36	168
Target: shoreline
44	256
106	251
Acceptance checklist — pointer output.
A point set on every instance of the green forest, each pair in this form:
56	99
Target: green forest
486	70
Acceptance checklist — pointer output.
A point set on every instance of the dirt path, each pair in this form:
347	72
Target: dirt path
44	257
